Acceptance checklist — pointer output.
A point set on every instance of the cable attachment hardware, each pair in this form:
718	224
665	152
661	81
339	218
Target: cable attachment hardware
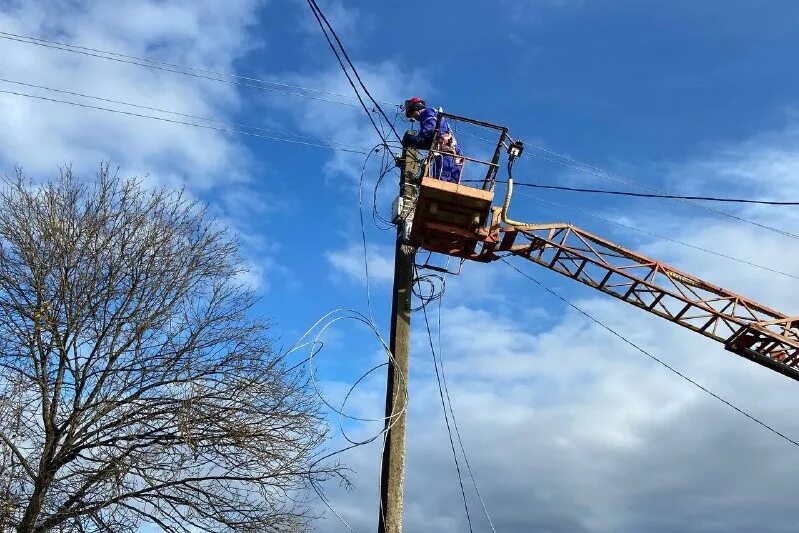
397	209
515	148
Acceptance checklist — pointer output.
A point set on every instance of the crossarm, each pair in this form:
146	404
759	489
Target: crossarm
744	326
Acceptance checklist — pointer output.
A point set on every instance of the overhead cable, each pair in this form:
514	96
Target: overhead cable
654	358
587	168
15	36
570	162
641	194
161	110
327	29
657	235
195	72
319	13
446	419
332	146
438	360
347	74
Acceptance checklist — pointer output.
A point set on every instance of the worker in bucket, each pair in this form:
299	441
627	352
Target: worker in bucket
445	167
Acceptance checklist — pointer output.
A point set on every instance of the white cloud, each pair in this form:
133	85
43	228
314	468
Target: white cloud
205	34
765	165
40	135
569	429
387	82
350	263
587	435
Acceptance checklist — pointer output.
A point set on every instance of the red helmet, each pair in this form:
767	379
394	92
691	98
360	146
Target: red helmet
414	104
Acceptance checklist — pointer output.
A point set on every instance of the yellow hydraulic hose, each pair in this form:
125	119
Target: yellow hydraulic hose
506	204
503	215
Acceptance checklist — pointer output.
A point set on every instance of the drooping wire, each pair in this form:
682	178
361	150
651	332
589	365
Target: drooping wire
315	344
657	235
652	357
319	13
446	416
363	230
312	338
434	295
332	146
640	194
319	492
426	288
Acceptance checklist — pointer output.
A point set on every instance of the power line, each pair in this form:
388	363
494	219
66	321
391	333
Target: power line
331	146
643	195
658	235
454	421
318	15
609	176
652	357
260	84
160	110
14	36
184	70
446	417
321	13
441	377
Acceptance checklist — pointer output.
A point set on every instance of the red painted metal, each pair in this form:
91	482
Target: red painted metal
744	326
450	218
457	220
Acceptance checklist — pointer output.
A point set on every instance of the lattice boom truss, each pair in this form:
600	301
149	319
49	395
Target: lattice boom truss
746	327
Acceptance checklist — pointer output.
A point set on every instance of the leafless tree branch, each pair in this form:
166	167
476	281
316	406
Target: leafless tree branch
135	386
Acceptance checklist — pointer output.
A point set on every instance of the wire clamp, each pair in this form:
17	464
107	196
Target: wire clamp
398	209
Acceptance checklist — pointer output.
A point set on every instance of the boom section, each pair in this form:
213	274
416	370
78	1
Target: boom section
746	327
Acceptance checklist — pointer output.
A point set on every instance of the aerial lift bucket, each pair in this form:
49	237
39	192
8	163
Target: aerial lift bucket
450	218
456	219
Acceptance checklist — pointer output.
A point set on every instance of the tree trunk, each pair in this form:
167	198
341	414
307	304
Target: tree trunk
40	488
28	522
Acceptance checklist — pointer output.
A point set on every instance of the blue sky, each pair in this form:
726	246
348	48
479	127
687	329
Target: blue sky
567	429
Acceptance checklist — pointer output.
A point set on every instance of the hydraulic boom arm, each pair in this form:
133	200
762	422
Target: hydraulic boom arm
453	219
746	327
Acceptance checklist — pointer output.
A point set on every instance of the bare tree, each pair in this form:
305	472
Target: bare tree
134	387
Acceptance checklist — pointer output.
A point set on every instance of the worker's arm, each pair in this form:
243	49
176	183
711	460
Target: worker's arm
424	138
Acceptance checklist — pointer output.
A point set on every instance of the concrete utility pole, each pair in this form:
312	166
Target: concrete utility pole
392	477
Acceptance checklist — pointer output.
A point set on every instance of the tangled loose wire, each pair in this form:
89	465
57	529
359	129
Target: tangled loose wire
386	166
428	287
312	340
